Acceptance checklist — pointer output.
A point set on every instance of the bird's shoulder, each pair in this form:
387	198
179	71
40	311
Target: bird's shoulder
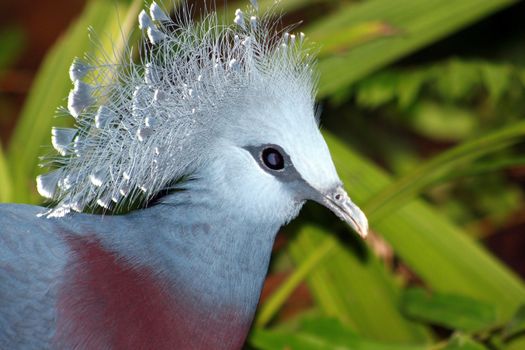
32	260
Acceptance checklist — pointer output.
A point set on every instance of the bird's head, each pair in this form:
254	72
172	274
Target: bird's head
274	157
230	105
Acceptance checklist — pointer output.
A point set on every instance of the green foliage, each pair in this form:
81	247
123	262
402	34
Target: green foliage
417	24
482	96
472	105
463	342
448	310
434	170
516	325
355	287
453	80
11	42
320	334
5	179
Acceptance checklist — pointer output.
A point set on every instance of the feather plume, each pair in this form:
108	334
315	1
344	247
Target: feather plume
142	126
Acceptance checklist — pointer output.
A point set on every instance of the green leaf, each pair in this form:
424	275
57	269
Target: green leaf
443	122
446	259
279	297
407	187
497	79
463	342
408	88
352	285
448	310
443	256
347	39
419	22
485	167
320	334
516	326
266	340
11	44
5	179
378	91
457	79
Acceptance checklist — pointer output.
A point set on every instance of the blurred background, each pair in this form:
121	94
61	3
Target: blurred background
423	105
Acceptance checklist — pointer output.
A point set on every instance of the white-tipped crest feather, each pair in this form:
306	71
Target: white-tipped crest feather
79	98
103	117
62	138
157	14
145	21
78	70
152	125
155	36
47	184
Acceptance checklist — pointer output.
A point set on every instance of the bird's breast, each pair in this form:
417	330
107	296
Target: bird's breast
107	302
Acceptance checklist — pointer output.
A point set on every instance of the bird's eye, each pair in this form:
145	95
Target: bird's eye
272	158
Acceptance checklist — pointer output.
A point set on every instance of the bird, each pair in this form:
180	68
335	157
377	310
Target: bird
167	195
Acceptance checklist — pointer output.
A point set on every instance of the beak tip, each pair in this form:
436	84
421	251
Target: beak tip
361	225
363	232
339	202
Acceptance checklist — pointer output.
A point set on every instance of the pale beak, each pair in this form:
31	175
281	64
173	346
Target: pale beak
341	205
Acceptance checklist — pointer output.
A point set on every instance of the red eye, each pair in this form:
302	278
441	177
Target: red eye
272	158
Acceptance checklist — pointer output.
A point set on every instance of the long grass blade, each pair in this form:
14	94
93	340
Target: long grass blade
414	24
403	190
6	187
270	308
440	253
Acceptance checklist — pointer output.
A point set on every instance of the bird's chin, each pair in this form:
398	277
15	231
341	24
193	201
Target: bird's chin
296	207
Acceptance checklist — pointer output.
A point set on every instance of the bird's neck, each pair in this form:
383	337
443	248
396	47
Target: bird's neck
214	252
204	269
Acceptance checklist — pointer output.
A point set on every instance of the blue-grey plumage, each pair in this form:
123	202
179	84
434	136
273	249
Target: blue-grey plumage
210	260
221	153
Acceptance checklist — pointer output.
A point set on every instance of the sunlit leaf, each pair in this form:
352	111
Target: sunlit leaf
443	122
441	254
457	80
485	167
320	334
381	90
448	310
463	342
352	285
420	22
497	79
405	188
348	38
516	325
5	179
277	299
